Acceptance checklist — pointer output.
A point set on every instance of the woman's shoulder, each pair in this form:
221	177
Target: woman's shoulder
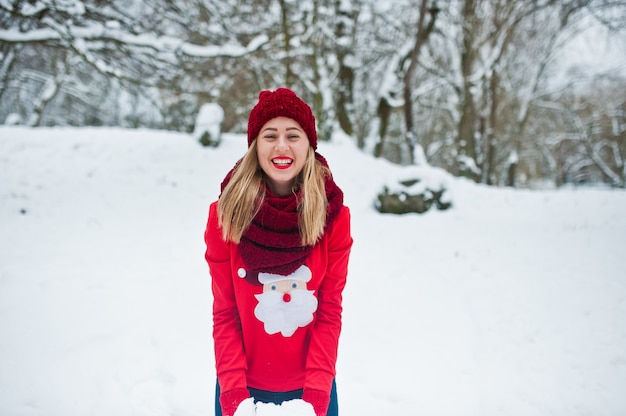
212	221
344	214
340	228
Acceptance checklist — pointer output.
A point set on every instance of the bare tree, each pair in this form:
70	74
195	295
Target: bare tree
416	151
142	46
460	84
592	149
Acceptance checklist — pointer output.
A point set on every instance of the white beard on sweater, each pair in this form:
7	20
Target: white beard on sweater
285	317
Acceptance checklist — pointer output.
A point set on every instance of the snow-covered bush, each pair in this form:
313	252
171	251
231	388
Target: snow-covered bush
415	189
208	128
13	119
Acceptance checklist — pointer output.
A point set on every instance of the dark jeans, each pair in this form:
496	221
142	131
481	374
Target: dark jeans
279	397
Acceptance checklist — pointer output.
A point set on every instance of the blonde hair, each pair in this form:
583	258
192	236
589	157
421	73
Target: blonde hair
244	195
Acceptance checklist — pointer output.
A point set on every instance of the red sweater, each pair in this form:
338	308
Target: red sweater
253	347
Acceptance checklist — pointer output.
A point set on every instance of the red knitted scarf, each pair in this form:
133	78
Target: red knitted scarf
272	243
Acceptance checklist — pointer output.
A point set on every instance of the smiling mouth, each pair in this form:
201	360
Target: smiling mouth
282	163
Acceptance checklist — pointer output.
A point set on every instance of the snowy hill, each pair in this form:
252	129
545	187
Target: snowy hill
510	303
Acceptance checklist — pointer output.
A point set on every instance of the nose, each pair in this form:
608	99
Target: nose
287	297
281	143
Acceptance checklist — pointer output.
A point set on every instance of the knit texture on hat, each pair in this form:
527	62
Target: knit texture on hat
272	242
281	103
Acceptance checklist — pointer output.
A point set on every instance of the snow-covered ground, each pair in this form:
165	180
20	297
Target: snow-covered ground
511	303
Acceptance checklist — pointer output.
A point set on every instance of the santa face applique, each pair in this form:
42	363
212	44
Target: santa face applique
285	304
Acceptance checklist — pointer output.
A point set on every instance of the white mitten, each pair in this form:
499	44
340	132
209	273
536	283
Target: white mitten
246	408
296	407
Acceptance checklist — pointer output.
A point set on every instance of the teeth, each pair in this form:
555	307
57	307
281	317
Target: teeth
282	162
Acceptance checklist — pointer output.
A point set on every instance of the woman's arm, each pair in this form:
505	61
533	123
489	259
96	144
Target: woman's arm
322	354
230	360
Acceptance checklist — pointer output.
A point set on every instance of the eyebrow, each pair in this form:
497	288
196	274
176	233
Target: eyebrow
275	129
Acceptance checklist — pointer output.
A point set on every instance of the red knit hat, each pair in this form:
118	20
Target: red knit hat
281	103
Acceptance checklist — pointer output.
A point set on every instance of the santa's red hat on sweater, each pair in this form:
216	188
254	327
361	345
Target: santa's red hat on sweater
281	103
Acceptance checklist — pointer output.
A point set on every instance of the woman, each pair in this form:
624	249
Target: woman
278	241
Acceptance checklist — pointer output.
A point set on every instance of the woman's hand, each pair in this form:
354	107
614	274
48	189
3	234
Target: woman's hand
237	402
318	400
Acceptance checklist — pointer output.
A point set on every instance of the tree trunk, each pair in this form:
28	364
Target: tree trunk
490	145
343	31
412	141
465	141
49	91
8	53
511	174
383	112
286	43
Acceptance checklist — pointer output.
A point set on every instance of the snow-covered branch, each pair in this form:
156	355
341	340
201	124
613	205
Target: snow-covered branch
99	32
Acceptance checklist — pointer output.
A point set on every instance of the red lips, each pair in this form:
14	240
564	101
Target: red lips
282	162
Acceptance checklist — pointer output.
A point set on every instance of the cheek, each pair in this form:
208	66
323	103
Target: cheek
259	151
261	156
303	158
303	153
